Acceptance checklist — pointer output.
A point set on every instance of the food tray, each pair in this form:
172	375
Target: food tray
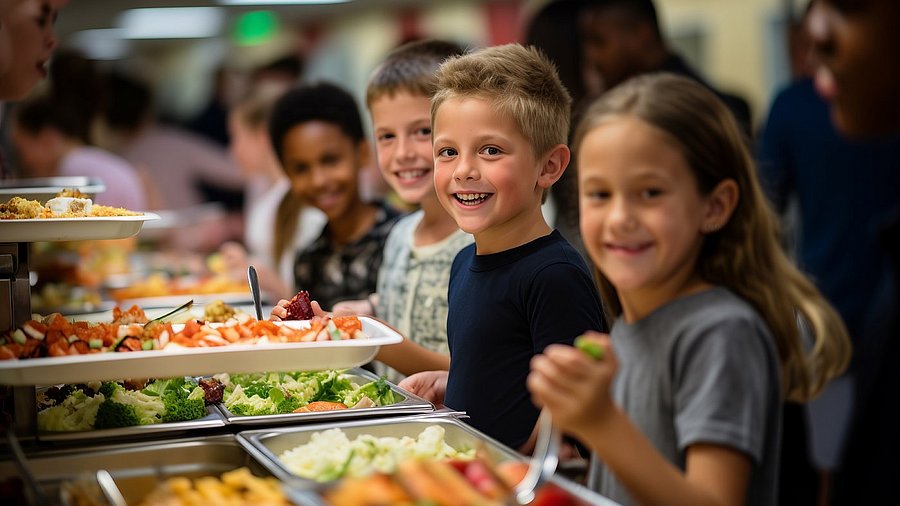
212	420
266	444
236	358
406	405
73	229
43	189
138	467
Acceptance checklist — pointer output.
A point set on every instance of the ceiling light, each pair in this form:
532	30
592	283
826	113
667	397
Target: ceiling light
281	2
172	22
101	44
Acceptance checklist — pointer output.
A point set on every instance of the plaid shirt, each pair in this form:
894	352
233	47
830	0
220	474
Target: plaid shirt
332	273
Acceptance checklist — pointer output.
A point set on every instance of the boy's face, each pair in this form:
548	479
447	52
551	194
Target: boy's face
29	29
402	125
323	164
485	173
857	45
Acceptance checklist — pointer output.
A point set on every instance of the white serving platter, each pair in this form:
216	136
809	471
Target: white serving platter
73	229
171	362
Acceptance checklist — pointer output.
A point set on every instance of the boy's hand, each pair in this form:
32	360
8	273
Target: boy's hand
429	385
574	385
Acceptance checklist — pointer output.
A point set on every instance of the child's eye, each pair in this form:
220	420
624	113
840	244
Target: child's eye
492	151
385	137
597	195
330	159
446	152
650	193
423	132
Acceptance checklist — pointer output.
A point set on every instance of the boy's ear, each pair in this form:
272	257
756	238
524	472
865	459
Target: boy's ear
555	162
720	204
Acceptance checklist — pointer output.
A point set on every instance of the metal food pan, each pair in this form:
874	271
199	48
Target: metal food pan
137	467
266	445
407	404
212	420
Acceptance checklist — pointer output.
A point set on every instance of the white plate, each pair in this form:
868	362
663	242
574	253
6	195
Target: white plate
44	188
236	358
73	229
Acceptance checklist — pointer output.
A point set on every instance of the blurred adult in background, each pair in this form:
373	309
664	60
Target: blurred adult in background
623	39
212	121
47	140
857	47
270	211
803	157
181	164
555	30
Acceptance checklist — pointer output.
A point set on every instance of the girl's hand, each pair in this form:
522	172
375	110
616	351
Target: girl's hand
429	385
573	385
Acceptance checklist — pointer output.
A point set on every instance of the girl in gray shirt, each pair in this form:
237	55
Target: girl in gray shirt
684	405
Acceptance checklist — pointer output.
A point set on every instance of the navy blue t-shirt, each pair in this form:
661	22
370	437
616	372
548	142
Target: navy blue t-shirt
505	308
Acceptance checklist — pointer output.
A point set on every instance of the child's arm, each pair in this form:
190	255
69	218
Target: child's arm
575	388
409	358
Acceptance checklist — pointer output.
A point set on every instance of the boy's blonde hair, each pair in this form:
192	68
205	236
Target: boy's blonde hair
410	68
520	82
744	255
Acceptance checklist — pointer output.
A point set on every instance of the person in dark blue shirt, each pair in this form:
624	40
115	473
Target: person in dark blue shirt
500	123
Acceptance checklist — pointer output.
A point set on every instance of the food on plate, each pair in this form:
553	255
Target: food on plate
444	483
238	487
244	329
290	392
330	454
54	335
110	405
67	204
130	330
299	307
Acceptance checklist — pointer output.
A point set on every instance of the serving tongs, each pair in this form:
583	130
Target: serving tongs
253	278
543	461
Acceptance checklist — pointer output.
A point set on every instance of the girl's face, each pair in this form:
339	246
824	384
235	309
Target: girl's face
485	174
31	39
641	210
402	125
323	164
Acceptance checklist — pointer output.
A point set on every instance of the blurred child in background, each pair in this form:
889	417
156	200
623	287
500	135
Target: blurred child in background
686	410
412	282
276	224
501	119
317	133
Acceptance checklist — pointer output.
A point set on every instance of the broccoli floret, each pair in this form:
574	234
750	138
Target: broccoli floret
147	409
240	404
108	387
288	405
181	406
378	391
112	414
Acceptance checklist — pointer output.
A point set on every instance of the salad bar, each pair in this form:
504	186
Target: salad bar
123	410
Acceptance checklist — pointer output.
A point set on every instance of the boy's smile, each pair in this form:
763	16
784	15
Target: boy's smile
486	175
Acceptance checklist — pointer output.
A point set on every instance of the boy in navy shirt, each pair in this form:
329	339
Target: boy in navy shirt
500	121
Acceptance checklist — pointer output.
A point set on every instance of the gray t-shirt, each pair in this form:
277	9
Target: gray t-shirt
701	369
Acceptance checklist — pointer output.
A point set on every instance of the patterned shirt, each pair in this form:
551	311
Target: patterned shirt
412	286
332	273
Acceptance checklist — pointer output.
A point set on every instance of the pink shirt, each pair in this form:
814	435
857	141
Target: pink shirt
123	185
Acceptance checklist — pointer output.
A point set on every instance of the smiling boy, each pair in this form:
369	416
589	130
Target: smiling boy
500	122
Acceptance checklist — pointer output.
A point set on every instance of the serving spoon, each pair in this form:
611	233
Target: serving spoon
254	291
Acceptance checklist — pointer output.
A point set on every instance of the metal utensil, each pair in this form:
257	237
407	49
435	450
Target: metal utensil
254	291
543	461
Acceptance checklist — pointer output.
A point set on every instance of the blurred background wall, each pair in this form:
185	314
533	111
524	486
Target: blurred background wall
739	45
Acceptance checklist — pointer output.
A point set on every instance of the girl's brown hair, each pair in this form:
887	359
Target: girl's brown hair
744	255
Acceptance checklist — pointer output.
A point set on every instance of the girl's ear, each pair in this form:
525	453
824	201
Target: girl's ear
555	163
720	203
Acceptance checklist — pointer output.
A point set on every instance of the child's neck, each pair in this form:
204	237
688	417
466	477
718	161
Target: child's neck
353	224
436	224
639	304
511	235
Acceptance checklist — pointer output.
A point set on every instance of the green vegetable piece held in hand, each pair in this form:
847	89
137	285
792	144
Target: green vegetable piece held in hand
591	348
